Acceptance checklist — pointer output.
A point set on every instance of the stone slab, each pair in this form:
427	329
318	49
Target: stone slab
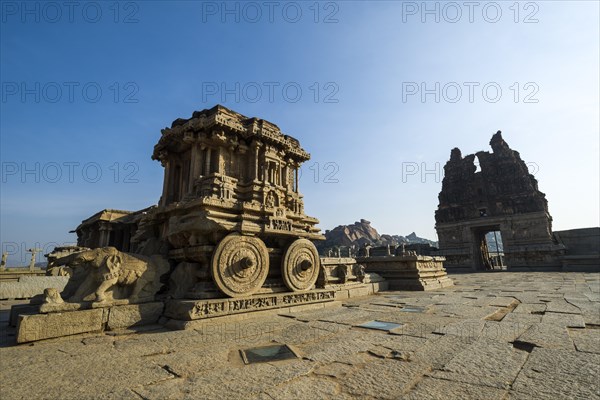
360	291
46	326
522	318
237	383
566	320
134	315
586	340
419	325
383	379
380	286
86	371
547	336
562	306
504	331
464	311
559	374
503	302
590	310
436	389
305	387
343	292
467	328
525	308
486	362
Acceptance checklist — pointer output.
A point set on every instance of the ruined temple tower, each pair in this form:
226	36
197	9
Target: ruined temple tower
502	198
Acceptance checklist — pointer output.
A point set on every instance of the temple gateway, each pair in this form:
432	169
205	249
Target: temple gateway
497	218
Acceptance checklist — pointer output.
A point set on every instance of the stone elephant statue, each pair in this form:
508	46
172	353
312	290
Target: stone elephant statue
105	274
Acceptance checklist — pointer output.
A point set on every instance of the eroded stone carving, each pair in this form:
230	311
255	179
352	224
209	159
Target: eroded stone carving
52	296
337	272
106	274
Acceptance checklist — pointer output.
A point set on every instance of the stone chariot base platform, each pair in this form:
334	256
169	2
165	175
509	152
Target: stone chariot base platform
190	314
189	310
33	324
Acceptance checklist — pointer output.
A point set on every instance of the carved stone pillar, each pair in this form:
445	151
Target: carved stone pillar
286	176
166	183
221	160
194	166
252	157
296	185
104	235
207	161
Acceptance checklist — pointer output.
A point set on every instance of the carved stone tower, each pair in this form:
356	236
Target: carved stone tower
503	197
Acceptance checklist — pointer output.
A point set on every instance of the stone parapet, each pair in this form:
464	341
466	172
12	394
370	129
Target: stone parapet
409	272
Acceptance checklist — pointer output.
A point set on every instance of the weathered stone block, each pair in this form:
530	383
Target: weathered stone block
380	286
134	314
409	272
22	309
46	326
360	291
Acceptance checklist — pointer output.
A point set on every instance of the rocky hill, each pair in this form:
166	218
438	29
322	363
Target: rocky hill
361	232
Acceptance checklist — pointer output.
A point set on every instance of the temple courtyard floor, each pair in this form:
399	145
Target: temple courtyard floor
504	335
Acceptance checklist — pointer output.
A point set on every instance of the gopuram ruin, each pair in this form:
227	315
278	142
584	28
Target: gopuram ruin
502	205
229	235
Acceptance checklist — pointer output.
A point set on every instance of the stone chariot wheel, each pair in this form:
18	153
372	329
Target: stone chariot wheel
300	265
240	265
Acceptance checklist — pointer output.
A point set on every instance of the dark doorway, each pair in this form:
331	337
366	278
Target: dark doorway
488	248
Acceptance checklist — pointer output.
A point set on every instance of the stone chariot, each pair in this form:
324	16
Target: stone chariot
230	210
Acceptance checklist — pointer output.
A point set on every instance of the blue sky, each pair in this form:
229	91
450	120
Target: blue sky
86	90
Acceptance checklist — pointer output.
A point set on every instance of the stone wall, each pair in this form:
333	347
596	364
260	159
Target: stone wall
28	286
582	249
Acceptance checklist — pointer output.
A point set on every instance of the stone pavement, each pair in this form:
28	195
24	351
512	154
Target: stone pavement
497	335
